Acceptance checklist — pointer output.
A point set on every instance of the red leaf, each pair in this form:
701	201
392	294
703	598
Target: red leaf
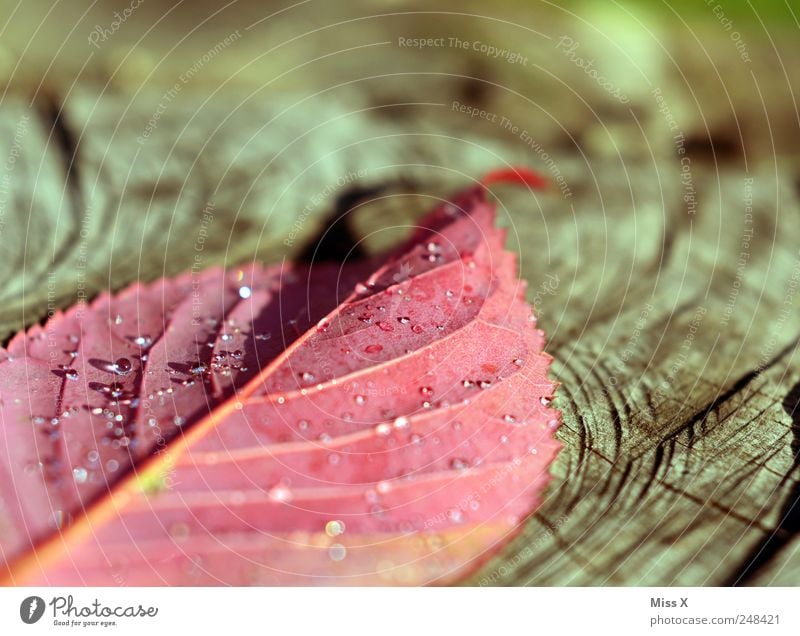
283	425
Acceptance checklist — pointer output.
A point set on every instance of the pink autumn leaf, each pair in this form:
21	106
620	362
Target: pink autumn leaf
362	424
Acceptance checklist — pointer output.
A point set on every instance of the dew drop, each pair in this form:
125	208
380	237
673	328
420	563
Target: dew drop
337	552
519	362
80	475
198	368
484	384
71	374
359	399
417	328
179	531
245	292
385	326
61	519
143	341
307	377
403	320
373	348
280	493
334	528
509	418
383	429
361	288
426	390
552	424
459	464
545	400
455	515
122	366
401	422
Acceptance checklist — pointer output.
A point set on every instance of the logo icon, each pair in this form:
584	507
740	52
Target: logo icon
31	609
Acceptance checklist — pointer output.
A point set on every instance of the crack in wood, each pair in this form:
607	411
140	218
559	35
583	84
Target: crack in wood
788	527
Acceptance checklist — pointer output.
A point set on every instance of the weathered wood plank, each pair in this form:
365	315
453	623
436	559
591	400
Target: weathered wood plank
680	454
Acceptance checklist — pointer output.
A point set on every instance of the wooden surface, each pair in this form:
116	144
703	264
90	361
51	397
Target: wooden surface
674	323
